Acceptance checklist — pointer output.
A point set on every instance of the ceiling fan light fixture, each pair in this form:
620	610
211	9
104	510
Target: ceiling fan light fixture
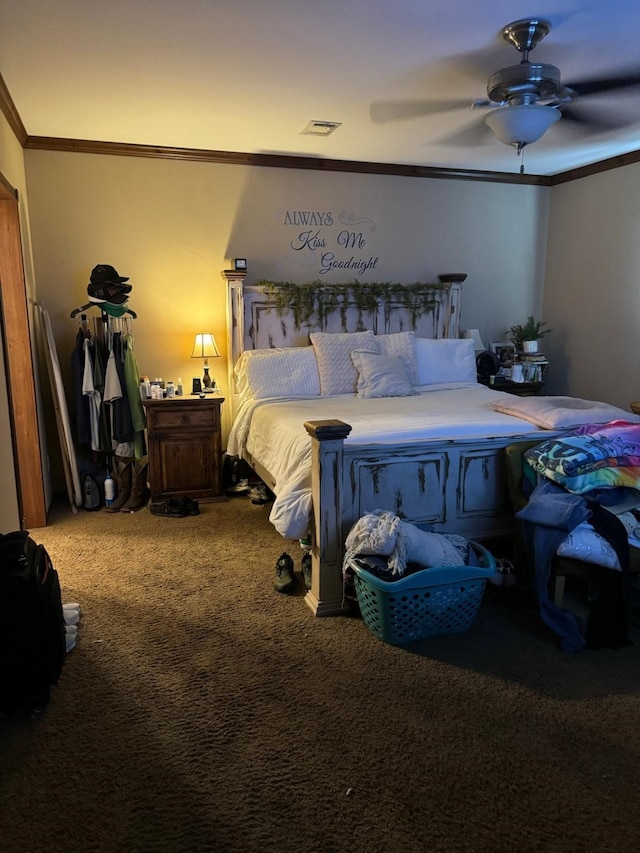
521	125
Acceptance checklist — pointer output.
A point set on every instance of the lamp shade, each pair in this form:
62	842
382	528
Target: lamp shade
205	346
477	340
521	124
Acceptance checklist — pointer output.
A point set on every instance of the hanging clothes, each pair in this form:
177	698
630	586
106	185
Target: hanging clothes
81	415
132	382
99	359
123	421
109	416
93	396
115	396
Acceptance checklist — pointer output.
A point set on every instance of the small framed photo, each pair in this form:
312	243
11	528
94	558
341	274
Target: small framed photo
240	263
505	351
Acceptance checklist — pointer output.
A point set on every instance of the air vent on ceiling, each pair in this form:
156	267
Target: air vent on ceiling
320	128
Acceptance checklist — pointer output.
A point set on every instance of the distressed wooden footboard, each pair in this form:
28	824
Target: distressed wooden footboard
457	486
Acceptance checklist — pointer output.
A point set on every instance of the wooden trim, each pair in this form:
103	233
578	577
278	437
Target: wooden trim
7	192
280	161
595	168
19	366
11	114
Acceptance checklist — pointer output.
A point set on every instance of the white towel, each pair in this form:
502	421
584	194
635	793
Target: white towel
383	533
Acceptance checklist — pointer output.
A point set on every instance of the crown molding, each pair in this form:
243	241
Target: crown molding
281	161
595	168
11	113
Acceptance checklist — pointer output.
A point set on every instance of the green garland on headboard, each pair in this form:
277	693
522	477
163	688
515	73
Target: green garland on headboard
313	303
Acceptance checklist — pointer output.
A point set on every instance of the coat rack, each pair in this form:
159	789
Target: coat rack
77	311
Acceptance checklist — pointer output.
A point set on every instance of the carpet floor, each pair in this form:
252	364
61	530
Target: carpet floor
202	711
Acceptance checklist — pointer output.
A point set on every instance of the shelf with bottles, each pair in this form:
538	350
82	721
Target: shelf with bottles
534	366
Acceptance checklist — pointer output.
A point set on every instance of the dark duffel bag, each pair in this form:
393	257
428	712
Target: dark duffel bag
32	627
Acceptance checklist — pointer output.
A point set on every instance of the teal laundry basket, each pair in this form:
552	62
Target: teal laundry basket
426	603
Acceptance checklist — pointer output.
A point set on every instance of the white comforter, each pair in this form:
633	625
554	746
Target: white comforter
273	433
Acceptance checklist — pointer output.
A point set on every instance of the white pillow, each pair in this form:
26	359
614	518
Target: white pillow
381	375
446	360
585	543
402	345
280	372
338	374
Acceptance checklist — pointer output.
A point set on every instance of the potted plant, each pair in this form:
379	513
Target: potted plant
525	336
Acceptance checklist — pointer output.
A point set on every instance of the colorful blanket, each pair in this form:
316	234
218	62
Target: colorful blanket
593	456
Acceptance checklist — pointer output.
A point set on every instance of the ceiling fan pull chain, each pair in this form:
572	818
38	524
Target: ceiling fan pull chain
522	160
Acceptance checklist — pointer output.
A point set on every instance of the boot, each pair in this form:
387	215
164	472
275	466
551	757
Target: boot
139	494
122	475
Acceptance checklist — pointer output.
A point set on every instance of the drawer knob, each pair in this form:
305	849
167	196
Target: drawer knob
184	419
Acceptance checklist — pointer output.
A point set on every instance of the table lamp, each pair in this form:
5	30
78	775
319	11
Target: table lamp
205	347
474	334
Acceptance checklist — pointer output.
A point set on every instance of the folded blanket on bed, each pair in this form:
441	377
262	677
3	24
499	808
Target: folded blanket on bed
561	412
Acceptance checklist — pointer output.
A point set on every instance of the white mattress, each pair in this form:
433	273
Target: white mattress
273	433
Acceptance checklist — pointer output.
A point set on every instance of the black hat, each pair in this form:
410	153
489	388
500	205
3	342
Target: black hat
106	274
116	294
107	286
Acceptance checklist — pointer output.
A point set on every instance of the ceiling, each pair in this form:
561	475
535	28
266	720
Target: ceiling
248	75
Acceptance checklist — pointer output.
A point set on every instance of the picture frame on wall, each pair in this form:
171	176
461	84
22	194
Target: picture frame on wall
505	351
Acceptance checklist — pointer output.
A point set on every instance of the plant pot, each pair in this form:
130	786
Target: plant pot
529	346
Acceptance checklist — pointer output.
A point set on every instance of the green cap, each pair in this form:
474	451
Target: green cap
114	310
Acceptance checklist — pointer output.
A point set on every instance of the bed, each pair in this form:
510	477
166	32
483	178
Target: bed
385	417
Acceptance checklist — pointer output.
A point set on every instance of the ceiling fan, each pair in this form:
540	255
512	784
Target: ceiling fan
526	99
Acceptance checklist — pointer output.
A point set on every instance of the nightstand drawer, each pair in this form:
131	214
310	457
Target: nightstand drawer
180	415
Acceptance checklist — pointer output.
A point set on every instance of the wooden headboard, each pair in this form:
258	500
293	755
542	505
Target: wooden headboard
254	321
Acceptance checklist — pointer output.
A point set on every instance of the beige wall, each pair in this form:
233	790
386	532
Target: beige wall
173	226
592	293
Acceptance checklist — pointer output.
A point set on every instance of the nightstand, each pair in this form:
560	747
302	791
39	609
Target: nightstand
185	447
520	389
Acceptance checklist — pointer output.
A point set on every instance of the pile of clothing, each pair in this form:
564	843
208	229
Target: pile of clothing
381	533
578	484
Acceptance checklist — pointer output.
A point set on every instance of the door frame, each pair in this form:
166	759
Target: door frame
17	344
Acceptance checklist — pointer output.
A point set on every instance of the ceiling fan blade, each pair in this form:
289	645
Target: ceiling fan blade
620	80
476	133
480	63
382	112
593	120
